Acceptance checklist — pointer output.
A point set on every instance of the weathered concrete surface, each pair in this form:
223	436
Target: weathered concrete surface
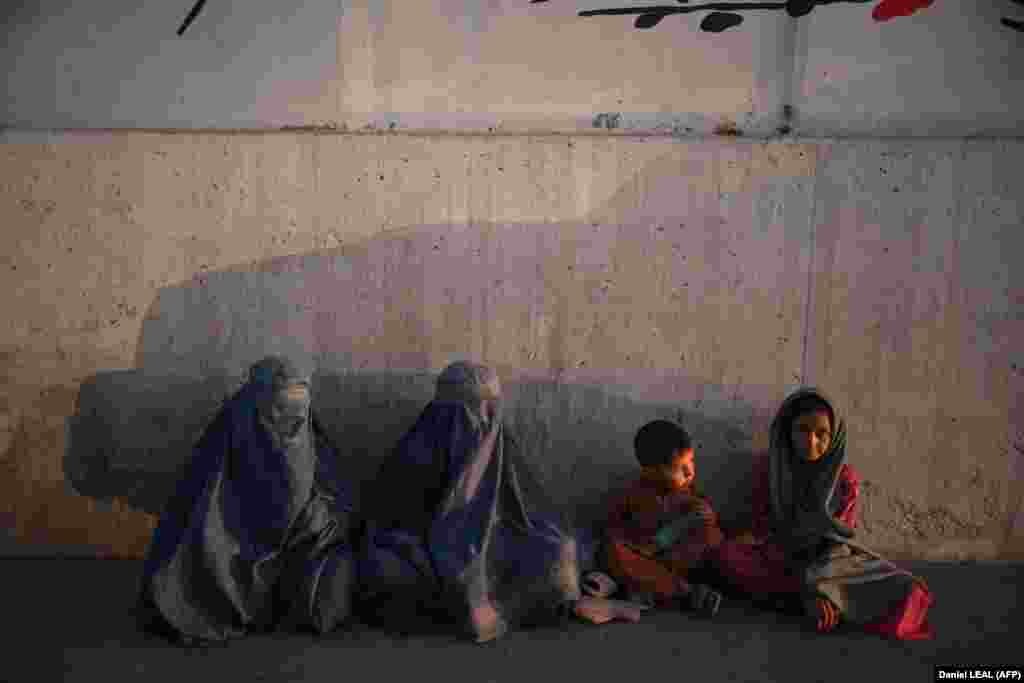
510	66
75	624
918	314
949	70
609	280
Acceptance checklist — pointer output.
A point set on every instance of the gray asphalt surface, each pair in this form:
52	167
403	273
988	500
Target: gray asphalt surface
70	620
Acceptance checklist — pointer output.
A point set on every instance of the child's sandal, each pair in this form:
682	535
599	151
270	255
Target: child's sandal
826	615
705	600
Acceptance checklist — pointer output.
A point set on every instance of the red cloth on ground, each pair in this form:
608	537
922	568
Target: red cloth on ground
759	569
633	519
909	619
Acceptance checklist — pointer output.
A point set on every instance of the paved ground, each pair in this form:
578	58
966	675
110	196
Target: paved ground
70	620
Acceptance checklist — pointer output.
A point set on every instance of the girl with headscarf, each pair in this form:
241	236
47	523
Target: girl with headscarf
256	533
458	529
804	517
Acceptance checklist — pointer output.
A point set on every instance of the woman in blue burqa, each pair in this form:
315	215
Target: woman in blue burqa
458	529
256	534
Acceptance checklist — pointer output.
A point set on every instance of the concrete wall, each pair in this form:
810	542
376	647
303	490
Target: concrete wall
610	281
649	268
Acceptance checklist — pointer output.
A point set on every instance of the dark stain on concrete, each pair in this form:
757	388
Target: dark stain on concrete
609	120
728	128
786	126
45	207
316	128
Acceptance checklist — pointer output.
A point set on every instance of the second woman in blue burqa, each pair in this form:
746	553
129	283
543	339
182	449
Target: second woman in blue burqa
459	528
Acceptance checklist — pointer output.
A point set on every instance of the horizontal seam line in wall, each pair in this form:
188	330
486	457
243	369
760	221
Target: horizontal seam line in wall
430	132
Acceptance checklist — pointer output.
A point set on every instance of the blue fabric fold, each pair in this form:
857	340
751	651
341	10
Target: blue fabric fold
456	519
231	530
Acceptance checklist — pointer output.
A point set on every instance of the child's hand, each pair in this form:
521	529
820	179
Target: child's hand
704	511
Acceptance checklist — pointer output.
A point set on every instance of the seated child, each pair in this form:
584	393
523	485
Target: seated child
805	502
660	527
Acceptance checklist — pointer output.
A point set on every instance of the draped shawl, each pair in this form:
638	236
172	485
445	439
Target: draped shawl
861	583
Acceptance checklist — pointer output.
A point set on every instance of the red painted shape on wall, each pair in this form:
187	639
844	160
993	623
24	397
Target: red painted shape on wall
888	9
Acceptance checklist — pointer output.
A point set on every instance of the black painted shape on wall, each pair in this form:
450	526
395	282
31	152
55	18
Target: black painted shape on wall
649	20
723	15
191	16
1012	23
799	8
1015	24
716	22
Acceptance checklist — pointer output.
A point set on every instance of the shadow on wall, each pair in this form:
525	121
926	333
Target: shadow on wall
411	300
134	431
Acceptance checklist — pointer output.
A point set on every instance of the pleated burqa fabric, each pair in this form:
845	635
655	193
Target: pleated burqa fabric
257	532
458	527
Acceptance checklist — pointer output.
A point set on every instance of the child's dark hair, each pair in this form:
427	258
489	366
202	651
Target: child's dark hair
812	404
657	442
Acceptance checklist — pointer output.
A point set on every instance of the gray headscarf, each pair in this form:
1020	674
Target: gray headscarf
802	493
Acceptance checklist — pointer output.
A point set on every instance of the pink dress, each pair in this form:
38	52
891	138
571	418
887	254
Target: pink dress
760	568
